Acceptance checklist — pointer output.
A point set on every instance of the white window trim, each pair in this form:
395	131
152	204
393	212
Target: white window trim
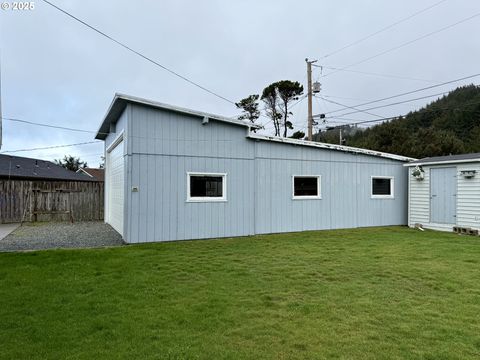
392	187
207	199
307	197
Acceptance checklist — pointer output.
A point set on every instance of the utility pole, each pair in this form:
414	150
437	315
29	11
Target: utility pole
1	119
310	95
341	138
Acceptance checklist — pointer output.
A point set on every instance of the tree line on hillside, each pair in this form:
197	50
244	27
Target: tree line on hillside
449	125
277	99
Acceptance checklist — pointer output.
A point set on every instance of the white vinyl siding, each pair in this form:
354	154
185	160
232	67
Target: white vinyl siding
115	177
468	197
419	198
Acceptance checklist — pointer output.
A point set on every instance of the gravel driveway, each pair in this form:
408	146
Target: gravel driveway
51	235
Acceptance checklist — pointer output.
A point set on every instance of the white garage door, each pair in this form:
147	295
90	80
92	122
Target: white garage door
115	191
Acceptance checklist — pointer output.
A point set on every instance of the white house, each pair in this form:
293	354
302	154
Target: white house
444	192
175	174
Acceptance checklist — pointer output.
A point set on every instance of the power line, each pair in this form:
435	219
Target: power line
356	42
422	111
395	103
351	107
403	45
139	53
50	126
344	98
51	147
376	74
409	92
88	131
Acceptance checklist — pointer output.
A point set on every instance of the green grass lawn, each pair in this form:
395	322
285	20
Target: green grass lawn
377	293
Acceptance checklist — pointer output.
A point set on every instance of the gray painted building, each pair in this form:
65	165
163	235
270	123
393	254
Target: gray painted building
175	174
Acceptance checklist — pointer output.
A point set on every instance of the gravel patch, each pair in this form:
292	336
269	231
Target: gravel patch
53	235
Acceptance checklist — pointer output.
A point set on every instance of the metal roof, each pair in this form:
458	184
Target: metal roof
16	167
446	159
120	101
321	145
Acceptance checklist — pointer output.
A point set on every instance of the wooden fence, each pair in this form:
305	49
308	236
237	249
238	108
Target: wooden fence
23	200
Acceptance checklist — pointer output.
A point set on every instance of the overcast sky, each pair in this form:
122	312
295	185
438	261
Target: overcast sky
57	71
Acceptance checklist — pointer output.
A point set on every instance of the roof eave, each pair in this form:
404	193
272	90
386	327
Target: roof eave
424	163
331	147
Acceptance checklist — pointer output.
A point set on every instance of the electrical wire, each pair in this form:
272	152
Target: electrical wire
375	74
51	126
344	98
356	42
351	107
402	45
422	111
395	103
50	147
138	53
409	92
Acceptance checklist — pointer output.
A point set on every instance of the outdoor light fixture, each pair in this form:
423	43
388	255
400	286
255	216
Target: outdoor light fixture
418	173
468	174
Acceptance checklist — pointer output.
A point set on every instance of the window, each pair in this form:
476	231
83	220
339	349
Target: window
306	187
206	187
382	187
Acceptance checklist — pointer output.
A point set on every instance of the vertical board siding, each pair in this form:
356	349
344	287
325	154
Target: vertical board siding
345	188
165	145
468	197
23	200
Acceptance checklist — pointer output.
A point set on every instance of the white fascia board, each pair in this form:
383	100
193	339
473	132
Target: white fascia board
330	147
426	163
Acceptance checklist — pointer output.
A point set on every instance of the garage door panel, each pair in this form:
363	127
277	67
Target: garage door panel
115	183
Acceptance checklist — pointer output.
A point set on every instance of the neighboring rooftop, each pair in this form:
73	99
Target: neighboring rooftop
446	159
16	167
95	173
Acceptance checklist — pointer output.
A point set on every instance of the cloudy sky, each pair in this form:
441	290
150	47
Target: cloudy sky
57	71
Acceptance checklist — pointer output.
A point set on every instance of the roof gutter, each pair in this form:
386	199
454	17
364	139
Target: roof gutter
330	147
425	163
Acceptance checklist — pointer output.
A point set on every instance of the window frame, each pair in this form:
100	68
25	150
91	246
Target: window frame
392	187
223	198
307	197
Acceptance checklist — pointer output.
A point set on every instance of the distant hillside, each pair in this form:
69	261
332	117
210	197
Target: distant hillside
450	125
